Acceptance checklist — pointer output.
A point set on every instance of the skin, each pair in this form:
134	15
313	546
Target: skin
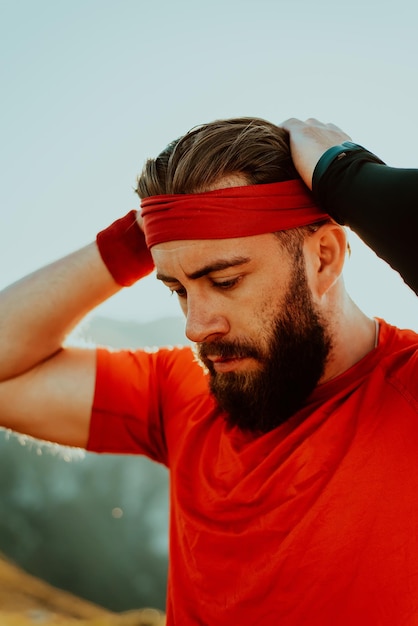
224	301
289	353
216	283
232	290
47	388
308	142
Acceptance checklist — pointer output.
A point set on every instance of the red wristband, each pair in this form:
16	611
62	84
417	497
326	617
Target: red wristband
124	251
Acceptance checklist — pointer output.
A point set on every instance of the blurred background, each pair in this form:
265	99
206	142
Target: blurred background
89	90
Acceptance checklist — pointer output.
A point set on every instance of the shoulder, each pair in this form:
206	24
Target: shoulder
399	360
165	366
397	341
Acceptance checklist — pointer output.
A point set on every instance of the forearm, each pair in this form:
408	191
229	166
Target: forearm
39	311
379	203
356	188
47	391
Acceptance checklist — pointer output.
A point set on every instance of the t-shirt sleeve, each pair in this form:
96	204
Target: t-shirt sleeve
379	203
135	393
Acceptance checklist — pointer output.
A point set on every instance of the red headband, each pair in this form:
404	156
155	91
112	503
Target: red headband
228	213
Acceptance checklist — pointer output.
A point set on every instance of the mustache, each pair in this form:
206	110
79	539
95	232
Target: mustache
228	350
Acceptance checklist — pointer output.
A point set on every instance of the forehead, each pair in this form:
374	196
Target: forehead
190	255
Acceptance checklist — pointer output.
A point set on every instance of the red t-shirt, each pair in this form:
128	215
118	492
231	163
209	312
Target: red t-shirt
314	523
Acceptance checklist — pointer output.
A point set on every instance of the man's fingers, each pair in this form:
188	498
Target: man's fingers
309	139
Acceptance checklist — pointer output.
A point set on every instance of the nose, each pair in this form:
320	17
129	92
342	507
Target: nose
204	322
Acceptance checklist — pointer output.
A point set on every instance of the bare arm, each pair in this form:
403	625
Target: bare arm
47	390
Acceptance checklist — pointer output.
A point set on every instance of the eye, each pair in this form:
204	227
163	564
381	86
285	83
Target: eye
180	292
226	284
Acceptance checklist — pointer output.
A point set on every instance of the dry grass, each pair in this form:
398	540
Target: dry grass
144	617
26	600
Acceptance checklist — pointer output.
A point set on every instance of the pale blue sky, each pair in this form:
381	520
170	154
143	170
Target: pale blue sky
91	88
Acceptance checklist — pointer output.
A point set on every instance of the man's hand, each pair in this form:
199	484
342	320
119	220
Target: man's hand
308	142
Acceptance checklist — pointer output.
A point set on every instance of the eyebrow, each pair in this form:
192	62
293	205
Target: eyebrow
216	266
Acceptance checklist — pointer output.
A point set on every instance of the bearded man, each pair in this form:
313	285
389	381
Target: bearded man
291	430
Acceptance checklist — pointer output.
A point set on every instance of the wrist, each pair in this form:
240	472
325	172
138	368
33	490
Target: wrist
332	154
124	251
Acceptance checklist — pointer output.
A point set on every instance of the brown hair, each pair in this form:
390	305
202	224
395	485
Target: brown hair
252	147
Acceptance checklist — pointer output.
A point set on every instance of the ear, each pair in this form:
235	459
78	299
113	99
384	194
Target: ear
325	252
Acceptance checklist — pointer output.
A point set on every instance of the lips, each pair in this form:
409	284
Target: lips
226	364
229	356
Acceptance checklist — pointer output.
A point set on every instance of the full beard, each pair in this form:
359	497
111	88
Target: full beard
260	399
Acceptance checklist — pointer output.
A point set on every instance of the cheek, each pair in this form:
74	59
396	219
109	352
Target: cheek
260	320
269	306
259	305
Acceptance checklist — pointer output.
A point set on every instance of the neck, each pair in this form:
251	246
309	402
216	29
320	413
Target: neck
353	334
